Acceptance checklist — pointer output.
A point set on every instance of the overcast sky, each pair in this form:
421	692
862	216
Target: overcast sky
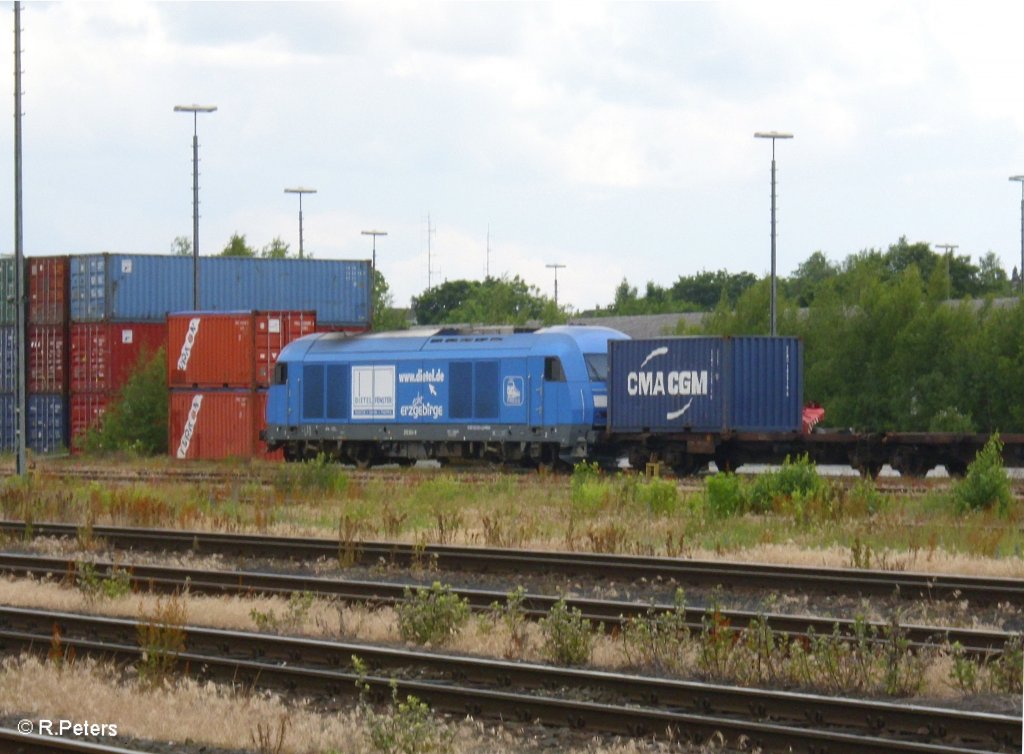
616	139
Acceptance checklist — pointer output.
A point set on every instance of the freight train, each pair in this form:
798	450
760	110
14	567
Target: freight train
556	396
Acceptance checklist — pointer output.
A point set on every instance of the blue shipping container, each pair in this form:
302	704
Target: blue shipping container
129	287
338	290
146	287
746	384
46	424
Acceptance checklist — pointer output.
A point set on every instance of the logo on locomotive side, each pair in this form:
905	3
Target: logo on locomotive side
373	392
419	408
190	340
513	394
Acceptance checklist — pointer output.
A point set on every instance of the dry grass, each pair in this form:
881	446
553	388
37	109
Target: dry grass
326	619
205	714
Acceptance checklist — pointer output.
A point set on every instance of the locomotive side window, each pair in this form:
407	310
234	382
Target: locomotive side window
313	391
487	389
338	391
280	373
553	371
461	390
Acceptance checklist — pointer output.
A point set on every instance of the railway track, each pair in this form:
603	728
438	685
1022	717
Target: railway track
620	568
613	614
270	474
591	701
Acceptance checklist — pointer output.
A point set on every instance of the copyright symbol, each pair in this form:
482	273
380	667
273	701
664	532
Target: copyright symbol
25	726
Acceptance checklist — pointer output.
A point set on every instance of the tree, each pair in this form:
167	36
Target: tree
385	316
432	306
237	247
808	278
276	249
181	246
137	420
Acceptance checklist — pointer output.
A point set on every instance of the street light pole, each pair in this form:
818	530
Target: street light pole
300	191
374	233
949	248
1020	179
773	135
195	110
556	268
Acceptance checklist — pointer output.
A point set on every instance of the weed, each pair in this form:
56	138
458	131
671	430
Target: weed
58	656
295	614
860	554
589	492
607	537
656	641
403	727
161	636
1006	674
716	642
723	495
349	551
659	495
965	671
568	636
117	582
986	484
268	738
431	616
513	615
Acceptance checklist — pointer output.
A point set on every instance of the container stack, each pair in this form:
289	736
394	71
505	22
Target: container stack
219	366
46	354
119	305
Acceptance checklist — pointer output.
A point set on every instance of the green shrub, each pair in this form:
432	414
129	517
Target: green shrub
432	615
659	495
117	582
406	727
137	420
794	479
568	636
986	484
589	491
723	495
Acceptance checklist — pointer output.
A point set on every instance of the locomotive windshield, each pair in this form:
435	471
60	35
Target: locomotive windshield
597	366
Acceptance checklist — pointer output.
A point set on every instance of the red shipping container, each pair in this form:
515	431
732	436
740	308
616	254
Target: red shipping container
86	411
209	424
104	354
275	330
230	349
48	290
48	358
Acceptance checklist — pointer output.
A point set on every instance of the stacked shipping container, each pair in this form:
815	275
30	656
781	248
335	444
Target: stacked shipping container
92	317
46	354
219	366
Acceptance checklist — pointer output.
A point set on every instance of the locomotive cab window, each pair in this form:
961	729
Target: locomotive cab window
280	373
553	371
597	366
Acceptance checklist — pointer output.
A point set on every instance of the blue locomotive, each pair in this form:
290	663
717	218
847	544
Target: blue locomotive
508	396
